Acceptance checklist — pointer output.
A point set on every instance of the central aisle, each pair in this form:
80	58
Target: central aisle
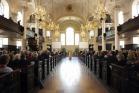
71	76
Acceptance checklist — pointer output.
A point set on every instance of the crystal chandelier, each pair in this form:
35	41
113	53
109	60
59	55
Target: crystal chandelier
57	33
83	31
44	19
101	11
40	12
51	26
99	14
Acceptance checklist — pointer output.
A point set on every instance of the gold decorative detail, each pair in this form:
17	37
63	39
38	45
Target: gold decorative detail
69	8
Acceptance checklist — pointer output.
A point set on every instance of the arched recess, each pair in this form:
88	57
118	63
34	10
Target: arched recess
72	21
135	8
20	17
63	25
4	8
70	18
14	6
120	17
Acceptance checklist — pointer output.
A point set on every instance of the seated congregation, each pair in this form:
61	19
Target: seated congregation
25	71
117	69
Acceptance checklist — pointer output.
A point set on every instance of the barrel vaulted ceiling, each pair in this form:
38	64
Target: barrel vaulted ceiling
63	10
80	9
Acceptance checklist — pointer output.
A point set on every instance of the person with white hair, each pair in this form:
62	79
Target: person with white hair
4	60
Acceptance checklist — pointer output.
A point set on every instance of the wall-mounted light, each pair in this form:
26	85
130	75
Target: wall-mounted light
91	34
48	34
83	34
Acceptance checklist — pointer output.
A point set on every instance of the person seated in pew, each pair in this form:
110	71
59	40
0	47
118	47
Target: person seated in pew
131	57
111	57
44	55
15	63
37	81
4	60
120	59
23	61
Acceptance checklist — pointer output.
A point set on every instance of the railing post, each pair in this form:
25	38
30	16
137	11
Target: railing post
55	60
45	66
40	71
48	66
50	61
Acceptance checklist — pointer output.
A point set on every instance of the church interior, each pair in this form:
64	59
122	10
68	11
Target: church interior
69	46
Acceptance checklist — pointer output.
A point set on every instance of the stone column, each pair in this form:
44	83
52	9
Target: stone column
37	31
112	44
103	37
117	42
24	38
95	40
45	39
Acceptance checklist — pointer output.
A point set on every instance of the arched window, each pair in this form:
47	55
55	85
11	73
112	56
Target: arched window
135	40
4	8
122	44
135	8
1	9
3	41
69	36
120	18
20	17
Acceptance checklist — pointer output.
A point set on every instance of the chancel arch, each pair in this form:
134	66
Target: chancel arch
135	8
4	8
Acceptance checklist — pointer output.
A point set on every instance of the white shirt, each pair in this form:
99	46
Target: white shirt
5	69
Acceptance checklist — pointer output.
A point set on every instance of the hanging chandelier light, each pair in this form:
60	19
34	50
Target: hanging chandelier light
51	26
83	34
57	33
88	24
82	31
101	11
99	14
40	13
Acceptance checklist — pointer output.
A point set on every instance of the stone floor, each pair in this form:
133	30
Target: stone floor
71	76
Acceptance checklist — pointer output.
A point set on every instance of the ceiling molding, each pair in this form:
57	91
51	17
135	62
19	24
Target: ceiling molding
70	18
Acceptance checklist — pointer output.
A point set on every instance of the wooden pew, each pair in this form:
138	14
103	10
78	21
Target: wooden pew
38	72
27	79
106	72
134	80
10	82
50	63
44	69
99	64
119	79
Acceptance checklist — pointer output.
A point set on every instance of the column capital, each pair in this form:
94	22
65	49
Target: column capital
117	7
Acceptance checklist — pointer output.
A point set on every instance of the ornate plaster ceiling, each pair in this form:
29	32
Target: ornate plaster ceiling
70	18
80	9
69	23
58	9
61	8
